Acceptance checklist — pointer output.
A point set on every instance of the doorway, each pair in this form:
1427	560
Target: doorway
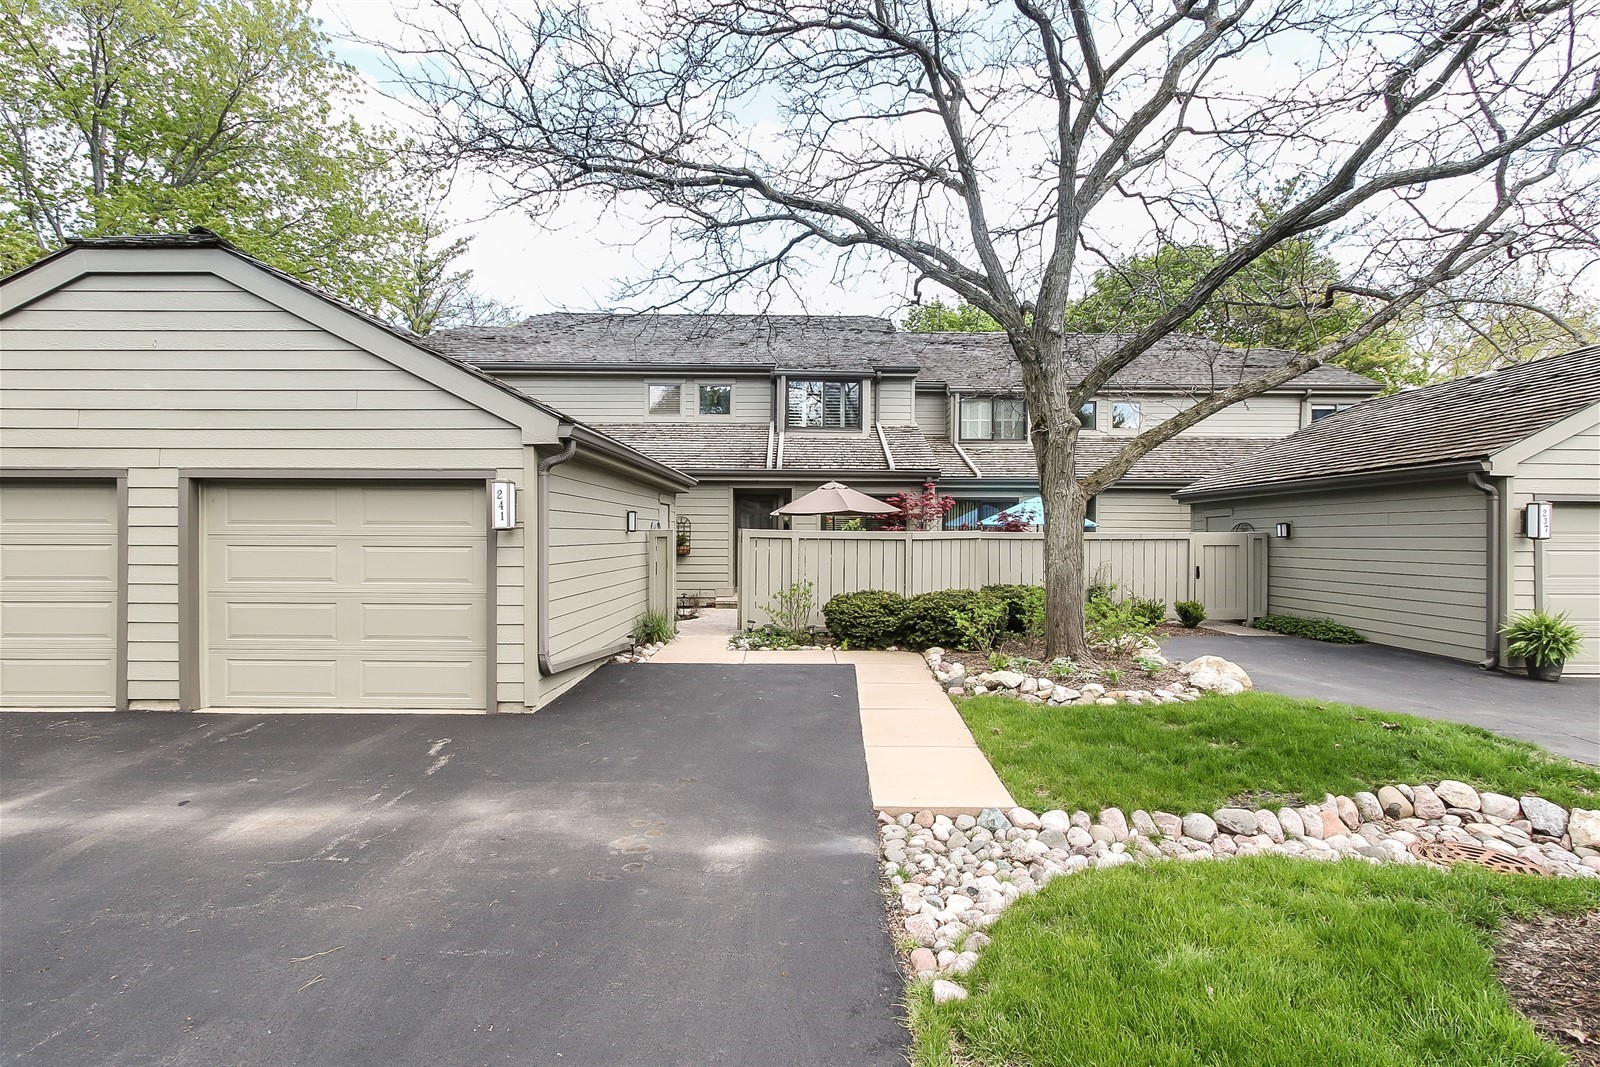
753	510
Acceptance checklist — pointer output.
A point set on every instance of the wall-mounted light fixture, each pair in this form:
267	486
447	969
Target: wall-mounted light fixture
502	505
633	522
1537	519
1283	530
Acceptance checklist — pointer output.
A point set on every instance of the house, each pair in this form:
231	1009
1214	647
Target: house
1404	515
223	490
764	408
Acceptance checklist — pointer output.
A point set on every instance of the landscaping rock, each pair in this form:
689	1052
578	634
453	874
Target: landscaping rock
1584	826
923	928
1199	827
1113	819
1394	803
1367	807
1170	826
1008	679
1347	811
1425	803
994	820
1289	820
1547	818
1500	806
1143	824
1267	823
1237	821
923	961
944	992
1207	673
1458	795
1023	819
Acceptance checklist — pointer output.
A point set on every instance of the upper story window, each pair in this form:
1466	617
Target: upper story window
664	398
993	418
821	404
1089	415
1322	411
716	399
1126	415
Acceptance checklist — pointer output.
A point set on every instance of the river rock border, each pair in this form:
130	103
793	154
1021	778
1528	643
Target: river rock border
638	654
954	877
1206	674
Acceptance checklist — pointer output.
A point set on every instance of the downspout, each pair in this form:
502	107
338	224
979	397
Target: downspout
569	449
1492	569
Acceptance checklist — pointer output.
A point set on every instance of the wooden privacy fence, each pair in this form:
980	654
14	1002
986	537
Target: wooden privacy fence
1225	571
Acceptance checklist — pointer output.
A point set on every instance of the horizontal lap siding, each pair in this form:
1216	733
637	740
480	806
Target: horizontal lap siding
708	569
599	573
604	398
933	413
1404	565
1261	416
1140	509
157	373
896	406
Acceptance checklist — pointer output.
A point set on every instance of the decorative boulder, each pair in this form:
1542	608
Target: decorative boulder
1208	673
1584	826
1547	818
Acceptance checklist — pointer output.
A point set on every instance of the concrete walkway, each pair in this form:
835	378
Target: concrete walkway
1564	717
920	754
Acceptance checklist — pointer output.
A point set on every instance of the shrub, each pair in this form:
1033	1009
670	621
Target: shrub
870	618
654	628
1022	603
1541	638
1316	629
790	609
1111	622
1153	612
930	618
1190	612
982	625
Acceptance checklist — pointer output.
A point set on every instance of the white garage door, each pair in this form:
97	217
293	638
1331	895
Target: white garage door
58	594
332	595
1572	577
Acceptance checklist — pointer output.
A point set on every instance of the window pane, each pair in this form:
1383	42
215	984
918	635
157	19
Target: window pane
716	399
1010	419
1125	415
975	420
833	405
852	404
664	400
1088	415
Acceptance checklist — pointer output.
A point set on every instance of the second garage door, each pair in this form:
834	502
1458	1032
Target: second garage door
336	595
1572	577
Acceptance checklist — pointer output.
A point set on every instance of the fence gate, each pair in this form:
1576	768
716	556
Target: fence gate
1221	574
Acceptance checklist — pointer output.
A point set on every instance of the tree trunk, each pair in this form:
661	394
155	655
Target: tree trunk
1064	508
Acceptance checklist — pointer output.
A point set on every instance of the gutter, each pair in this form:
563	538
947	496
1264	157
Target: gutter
547	667
1492	569
1334	481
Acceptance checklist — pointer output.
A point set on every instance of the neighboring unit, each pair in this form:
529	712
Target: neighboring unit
222	489
765	408
1405	515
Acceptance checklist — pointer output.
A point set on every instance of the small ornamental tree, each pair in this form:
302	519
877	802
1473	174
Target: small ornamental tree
920	512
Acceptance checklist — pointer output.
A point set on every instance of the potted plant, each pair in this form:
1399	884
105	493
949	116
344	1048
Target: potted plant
683	544
1543	641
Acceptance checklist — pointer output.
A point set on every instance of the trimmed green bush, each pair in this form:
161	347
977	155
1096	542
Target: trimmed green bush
1316	629
870	618
1151	612
1190	612
1022	602
930	618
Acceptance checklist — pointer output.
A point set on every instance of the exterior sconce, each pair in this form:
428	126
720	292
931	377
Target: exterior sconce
1283	530
633	522
1537	520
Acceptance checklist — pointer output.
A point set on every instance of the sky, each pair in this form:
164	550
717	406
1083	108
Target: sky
578	259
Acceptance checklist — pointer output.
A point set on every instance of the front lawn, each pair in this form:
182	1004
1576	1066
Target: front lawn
1261	961
1258	746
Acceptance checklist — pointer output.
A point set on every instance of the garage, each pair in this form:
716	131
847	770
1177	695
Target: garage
345	595
59	593
1572	577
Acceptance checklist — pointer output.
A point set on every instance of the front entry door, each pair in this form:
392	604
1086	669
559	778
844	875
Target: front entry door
753	510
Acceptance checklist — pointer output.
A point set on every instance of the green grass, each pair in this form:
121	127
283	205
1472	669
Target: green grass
1262	961
1195	757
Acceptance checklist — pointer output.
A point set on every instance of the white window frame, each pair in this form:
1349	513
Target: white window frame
1138	415
844	384
650	411
701	412
988	421
1331	407
1093	414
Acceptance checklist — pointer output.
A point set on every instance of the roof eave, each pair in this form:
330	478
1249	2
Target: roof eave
1386	476
659	472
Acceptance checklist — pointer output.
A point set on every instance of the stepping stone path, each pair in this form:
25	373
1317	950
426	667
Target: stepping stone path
954	877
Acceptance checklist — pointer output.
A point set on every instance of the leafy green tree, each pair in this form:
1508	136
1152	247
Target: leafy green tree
937	317
152	116
433	295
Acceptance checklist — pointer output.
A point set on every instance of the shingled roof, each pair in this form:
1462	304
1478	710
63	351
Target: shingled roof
748	447
981	362
984	362
1458	421
1177	462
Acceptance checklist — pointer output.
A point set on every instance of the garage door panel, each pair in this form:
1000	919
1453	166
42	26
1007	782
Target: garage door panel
276	507
385	608
423	565
59	564
58	594
247	564
1572	577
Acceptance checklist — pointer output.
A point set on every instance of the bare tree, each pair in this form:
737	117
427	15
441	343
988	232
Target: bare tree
987	147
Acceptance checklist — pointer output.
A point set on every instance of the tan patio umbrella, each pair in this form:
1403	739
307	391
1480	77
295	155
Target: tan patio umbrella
836	498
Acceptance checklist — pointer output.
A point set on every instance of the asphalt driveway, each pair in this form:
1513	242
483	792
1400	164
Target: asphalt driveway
672	865
1563	717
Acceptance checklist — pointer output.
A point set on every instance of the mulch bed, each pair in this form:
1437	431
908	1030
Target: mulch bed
1550	967
1172	629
